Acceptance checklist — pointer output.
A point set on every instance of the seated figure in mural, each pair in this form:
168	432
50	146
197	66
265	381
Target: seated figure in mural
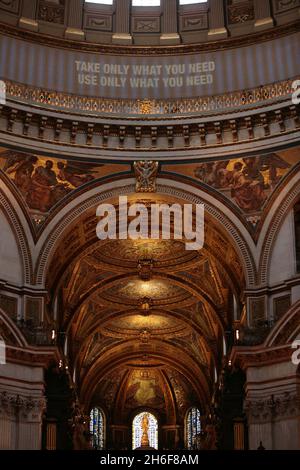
273	163
215	174
223	176
43	181
23	170
248	186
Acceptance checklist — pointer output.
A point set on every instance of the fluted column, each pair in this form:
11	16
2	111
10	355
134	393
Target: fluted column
6	433
217	20
75	15
263	19
28	15
30	411
169	23
122	32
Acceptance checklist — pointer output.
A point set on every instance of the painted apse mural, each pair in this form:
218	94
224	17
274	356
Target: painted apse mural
139	388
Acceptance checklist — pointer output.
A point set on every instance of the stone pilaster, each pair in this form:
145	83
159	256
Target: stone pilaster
20	421
122	32
28	15
269	416
263	19
217	20
169	23
75	16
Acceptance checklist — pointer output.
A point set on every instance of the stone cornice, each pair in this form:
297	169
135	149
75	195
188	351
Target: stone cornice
253	356
225	43
41	356
30	127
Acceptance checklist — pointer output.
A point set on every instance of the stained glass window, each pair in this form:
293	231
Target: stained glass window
137	430
193	428
97	428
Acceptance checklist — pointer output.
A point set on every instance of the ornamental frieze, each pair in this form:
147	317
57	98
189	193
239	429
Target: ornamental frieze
274	407
254	97
29	407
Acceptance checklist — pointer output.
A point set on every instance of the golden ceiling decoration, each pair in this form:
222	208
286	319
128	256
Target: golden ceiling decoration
131	252
155	323
134	290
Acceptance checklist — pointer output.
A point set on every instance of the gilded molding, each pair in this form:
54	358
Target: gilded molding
176	107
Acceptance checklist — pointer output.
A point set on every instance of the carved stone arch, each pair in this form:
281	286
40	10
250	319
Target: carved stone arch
20	236
160	352
56	234
9	332
199	196
236	231
285	202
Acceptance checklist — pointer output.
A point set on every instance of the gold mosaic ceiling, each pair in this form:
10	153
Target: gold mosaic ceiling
130	291
129	252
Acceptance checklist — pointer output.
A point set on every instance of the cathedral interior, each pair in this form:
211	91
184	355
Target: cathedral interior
140	343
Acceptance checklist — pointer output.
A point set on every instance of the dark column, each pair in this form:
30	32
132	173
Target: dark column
122	32
28	15
169	23
217	28
75	14
263	19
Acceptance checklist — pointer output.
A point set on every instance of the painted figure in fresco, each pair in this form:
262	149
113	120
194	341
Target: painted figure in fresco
248	186
252	169
272	163
223	176
43	185
23	170
144	392
214	174
247	179
205	172
42	182
71	174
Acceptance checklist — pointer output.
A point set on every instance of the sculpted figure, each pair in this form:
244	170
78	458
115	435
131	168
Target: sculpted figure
145	173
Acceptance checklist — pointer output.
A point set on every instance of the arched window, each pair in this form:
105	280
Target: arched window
97	428
193	428
144	428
